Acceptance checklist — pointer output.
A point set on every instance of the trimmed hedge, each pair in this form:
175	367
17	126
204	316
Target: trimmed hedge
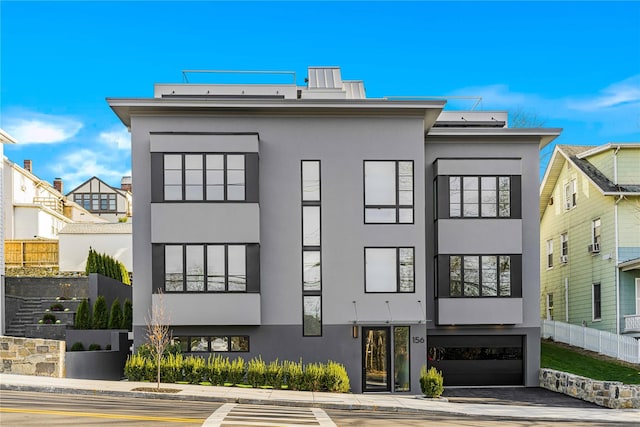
220	371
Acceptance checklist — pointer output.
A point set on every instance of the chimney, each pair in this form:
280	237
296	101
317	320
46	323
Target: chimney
57	184
28	165
125	183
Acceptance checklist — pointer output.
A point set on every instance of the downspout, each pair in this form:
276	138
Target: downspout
615	225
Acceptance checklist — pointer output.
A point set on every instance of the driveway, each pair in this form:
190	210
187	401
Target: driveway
527	396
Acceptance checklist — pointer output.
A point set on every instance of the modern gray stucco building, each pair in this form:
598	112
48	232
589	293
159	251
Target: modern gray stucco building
310	221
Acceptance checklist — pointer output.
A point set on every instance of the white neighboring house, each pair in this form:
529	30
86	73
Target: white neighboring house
5	138
114	239
33	208
103	200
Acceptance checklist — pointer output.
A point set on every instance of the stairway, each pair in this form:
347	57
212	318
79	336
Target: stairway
30	311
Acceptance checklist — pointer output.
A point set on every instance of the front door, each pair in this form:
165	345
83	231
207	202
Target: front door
375	359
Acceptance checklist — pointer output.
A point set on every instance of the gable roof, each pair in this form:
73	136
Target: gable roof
577	156
117	190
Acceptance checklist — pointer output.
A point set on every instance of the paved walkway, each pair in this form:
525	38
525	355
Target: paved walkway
371	402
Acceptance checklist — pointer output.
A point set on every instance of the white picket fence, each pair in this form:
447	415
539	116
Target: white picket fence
612	345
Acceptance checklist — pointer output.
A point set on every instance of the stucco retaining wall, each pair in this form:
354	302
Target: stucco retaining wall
610	394
32	356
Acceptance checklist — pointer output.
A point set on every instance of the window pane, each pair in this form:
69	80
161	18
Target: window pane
505	276
215	162
235	162
173	268
312	316
195	268
173	192
471	276
401	357
310	180
470	196
239	343
504	195
455	276
489	276
489	196
380	183
405	183
380	215
215	268
311	225
237	259
172	161
181	342
406	270
199	344
311	274
454	196
235	185
406	216
193	192
381	273
219	344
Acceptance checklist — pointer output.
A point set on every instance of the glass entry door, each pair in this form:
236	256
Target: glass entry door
375	359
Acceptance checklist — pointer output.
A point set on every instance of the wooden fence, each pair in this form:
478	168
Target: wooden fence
31	253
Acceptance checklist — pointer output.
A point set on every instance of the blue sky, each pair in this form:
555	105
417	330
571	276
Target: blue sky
575	65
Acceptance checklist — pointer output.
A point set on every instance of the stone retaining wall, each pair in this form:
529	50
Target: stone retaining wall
32	356
610	394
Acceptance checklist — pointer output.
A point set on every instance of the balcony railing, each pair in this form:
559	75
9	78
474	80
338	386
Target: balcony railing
632	323
52	203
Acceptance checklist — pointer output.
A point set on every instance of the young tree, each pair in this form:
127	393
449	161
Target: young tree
158	332
83	317
115	315
127	316
100	314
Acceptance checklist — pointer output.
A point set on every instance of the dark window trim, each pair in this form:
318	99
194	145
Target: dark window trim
88	197
209	348
397	248
443	192
596	301
397	205
318	248
204	176
444	278
249	289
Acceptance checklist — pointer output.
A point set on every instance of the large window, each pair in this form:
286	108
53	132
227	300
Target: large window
96	202
388	192
311	249
479	276
225	268
202	344
597	302
389	269
211	177
480	196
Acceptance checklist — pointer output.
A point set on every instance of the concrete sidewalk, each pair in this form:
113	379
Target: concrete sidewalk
370	402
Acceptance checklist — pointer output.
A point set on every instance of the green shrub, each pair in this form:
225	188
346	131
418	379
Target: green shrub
431	382
171	368
94	347
83	318
100	316
256	372
312	377
77	346
237	371
194	369
115	315
274	374
107	347
127	315
134	367
48	319
217	369
336	378
293	374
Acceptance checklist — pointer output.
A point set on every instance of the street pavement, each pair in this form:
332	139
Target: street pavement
459	402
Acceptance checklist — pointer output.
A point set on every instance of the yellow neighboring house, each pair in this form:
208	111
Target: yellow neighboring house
590	237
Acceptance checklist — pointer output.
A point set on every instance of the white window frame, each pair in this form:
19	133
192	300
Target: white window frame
564	247
570	195
549	254
549	305
593	231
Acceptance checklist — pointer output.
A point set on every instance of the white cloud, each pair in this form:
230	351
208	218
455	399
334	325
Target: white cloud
119	137
76	167
37	128
616	95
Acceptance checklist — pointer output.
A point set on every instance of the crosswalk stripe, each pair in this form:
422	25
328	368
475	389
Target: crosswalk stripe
268	416
216	418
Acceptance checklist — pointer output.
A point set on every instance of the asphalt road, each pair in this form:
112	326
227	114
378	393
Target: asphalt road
48	409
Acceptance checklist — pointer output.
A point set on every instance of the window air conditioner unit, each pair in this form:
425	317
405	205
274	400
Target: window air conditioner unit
594	249
564	259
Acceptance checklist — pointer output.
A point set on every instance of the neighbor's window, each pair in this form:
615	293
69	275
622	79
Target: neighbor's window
595	234
564	247
570	194
389	270
388	192
549	253
597	302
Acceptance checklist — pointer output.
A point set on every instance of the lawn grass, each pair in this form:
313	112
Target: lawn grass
587	364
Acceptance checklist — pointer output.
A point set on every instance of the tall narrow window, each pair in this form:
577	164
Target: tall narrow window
235	177
388	192
570	194
595	227
173	177
174	274
597	302
311	249
549	253
401	358
193	177
564	248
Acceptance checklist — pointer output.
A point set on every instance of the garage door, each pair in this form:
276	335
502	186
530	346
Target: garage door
478	360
